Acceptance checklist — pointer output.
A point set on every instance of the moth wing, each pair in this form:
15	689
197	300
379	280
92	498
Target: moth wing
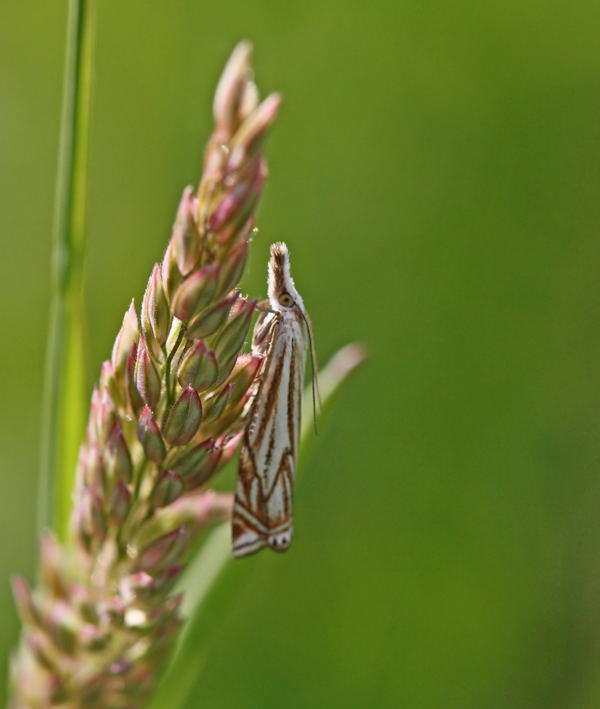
264	493
249	531
250	524
277	449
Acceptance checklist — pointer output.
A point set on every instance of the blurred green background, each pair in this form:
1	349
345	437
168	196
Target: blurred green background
436	174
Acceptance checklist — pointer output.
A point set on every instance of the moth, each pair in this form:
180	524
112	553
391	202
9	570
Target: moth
262	512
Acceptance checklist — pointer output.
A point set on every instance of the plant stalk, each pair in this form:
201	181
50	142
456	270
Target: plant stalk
64	408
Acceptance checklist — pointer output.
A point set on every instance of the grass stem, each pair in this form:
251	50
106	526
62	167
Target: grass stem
64	408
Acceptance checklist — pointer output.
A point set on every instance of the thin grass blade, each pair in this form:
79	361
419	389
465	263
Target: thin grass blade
65	405
211	581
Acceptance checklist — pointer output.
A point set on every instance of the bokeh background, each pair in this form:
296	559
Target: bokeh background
436	174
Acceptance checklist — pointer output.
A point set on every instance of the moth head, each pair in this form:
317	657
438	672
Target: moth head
283	295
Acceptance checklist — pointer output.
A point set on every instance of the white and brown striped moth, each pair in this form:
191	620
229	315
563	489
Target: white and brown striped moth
262	513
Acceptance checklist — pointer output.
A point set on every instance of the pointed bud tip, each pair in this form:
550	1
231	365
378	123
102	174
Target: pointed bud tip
20	588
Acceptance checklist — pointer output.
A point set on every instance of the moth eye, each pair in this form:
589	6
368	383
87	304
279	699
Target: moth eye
286	300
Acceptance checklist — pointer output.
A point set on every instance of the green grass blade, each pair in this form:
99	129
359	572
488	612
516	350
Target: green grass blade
64	408
210	582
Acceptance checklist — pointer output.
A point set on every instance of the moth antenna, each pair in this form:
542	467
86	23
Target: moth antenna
316	394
